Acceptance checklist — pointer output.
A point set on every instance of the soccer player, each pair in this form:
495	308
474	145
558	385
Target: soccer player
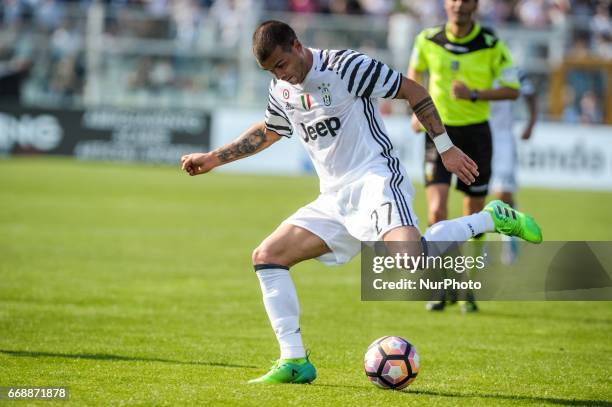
328	99
503	176
463	60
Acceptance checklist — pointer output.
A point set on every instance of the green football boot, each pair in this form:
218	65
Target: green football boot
511	222
297	371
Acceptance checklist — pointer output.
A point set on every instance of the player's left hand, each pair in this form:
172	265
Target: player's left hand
460	91
457	162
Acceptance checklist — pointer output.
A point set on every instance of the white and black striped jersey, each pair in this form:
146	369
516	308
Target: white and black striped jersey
335	113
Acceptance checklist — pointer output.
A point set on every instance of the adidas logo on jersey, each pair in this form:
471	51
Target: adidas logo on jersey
329	126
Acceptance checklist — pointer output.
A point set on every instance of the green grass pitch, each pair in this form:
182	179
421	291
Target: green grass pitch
133	285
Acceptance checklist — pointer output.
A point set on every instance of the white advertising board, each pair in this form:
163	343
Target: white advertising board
285	157
559	156
567	156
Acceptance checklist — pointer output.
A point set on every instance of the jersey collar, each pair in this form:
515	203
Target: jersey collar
313	68
462	40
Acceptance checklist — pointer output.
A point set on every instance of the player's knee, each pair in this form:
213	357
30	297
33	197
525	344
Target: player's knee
265	254
257	255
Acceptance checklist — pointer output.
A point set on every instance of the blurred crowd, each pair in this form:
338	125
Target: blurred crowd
529	13
53	31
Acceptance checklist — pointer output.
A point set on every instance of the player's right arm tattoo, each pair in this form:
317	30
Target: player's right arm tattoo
426	112
247	144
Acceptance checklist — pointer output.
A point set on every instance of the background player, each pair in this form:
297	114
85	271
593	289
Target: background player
503	177
327	98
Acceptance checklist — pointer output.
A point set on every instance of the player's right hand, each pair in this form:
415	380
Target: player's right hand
460	164
198	163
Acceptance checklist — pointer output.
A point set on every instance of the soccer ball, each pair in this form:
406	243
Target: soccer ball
391	362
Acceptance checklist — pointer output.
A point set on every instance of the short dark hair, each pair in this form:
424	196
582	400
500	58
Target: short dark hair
269	35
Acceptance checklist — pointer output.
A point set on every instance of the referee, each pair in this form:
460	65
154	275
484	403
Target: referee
462	60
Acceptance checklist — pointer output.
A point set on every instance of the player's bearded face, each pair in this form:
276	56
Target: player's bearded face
460	11
289	66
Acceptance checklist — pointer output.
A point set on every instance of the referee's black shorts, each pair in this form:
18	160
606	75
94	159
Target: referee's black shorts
475	141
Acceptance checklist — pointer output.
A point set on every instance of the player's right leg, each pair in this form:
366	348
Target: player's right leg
286	246
495	217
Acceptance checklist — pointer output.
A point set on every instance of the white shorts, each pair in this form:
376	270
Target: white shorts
361	211
503	164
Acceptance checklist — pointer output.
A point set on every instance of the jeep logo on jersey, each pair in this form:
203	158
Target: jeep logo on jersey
329	126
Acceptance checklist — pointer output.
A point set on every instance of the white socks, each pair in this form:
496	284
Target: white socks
457	230
281	302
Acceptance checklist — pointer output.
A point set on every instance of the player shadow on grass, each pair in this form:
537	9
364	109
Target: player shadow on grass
551	400
116	358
